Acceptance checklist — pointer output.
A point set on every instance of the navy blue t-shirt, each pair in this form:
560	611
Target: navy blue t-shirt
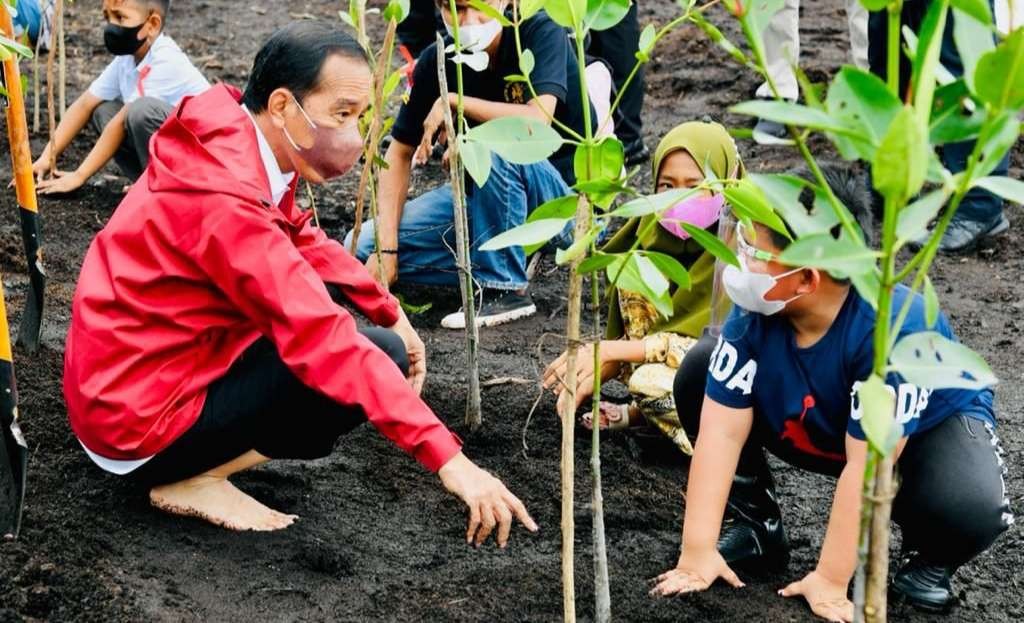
555	73
807	396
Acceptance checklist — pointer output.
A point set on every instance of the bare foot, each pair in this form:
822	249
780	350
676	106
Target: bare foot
219	502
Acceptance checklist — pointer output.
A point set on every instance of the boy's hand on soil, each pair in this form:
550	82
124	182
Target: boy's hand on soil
65	183
491	505
694	573
414	349
826	598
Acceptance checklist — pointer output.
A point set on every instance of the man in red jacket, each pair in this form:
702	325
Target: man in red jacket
206	334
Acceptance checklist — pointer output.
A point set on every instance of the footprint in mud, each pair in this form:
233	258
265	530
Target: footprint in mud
324	558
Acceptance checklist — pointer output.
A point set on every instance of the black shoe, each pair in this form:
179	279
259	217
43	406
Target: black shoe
771	129
923	585
963	236
498	307
753	535
636	152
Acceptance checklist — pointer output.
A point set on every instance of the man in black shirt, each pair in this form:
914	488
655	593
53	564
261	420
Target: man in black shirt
417	241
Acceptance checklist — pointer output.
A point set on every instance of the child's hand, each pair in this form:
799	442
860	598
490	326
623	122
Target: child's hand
826	598
695	572
66	183
41	167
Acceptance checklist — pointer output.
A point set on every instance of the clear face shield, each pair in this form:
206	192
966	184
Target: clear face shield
721	305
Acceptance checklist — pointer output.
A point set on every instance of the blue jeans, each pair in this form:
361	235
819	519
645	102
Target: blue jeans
426	233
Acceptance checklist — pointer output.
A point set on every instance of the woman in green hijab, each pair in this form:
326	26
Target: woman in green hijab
641	346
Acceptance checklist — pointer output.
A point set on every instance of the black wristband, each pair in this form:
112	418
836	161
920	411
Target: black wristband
389	251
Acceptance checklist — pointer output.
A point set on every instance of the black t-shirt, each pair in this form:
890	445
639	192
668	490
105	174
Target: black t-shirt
555	73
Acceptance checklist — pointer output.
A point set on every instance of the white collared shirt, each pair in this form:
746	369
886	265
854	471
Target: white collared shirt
279	181
165	73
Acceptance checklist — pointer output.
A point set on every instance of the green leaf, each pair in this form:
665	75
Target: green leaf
824	252
529	233
603	14
636	273
783	192
926	58
561	208
603	192
861	101
529	8
973	40
477	160
711	243
519	140
747	200
788	113
605	160
901	163
868	286
978	9
757	14
1006	187
875	5
949	123
928	359
996	140
345	17
649	204
719	39
487	9
412	308
931	303
398	10
669	267
526	62
578	247
567	13
13	46
878	414
392	83
595	262
1004	68
913	220
648	37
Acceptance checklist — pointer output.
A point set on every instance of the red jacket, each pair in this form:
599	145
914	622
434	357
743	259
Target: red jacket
194	266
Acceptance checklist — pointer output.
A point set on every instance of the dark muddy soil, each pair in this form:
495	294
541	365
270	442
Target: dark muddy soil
379	539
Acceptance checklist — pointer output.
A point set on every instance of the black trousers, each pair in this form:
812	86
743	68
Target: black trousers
952	501
978	205
617	47
259	404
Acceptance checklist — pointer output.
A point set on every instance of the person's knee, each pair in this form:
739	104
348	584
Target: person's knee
365	243
392	345
145	114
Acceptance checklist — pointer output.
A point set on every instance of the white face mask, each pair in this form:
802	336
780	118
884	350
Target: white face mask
747	289
475	40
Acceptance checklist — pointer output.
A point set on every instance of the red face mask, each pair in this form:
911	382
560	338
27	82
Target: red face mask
334	150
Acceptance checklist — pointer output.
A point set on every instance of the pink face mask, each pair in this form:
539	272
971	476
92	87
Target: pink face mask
698	211
334	150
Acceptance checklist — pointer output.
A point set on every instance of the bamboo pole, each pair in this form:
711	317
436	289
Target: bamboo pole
36	84
62	60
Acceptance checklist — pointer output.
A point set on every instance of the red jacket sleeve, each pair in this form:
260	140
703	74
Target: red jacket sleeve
258	267
335	265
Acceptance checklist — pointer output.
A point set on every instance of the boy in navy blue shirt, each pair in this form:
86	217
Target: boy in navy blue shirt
417	237
783	376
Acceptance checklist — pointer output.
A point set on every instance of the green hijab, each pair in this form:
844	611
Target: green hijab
708	144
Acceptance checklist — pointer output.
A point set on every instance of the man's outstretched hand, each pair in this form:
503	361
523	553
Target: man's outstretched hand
490	504
415	350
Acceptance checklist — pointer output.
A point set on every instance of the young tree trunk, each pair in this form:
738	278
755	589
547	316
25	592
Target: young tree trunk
62	61
50	85
36	83
371	170
602	589
473	409
877	583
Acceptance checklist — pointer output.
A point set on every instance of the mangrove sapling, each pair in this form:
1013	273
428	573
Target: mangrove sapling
455	129
598	166
375	122
866	120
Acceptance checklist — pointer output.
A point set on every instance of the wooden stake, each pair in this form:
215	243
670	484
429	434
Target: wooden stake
62	62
